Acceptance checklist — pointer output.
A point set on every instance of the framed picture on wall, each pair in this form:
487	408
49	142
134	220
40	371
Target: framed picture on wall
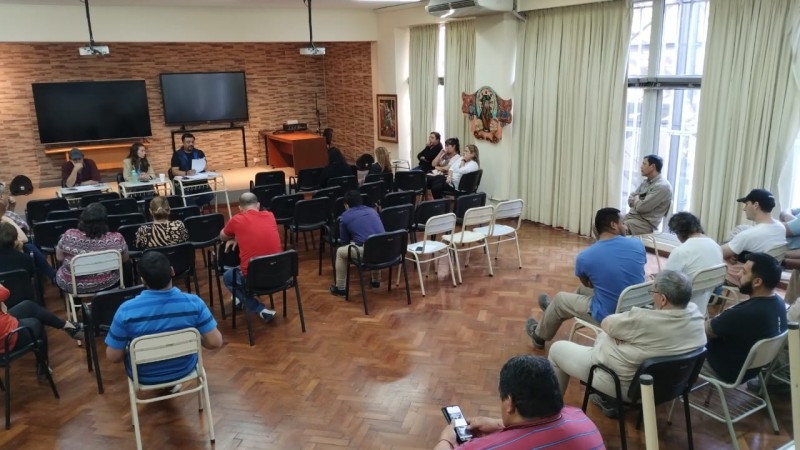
387	117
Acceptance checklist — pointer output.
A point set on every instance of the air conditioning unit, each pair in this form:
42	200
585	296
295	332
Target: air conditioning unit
468	8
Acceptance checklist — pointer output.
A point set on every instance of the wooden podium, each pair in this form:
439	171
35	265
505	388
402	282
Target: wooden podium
298	150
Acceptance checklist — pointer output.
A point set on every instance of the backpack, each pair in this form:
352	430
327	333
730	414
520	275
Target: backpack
21	185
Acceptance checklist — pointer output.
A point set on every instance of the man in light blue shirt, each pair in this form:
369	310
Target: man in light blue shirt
605	269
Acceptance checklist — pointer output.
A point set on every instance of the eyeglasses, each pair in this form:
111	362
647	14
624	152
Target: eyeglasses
653	291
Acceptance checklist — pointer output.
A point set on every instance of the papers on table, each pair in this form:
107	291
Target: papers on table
200	176
199	165
87	188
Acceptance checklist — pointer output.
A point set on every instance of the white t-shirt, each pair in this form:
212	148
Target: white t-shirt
759	238
696	254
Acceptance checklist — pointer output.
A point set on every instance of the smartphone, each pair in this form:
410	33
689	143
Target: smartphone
454	416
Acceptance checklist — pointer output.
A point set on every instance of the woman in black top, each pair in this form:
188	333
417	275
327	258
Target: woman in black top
337	166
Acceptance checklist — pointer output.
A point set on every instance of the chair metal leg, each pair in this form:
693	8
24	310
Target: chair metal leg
135	415
221	299
687	413
284	303
209	416
727	414
405	274
91	351
765	395
249	324
519	255
8	395
210	283
363	291
419	272
488	257
299	306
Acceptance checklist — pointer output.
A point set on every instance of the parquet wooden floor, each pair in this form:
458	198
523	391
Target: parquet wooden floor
352	381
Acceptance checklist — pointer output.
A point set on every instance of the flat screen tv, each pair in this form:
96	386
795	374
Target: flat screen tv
91	111
204	97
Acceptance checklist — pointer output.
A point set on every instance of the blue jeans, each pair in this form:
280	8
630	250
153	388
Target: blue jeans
40	260
250	301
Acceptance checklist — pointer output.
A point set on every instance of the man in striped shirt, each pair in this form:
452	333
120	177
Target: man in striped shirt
159	308
533	414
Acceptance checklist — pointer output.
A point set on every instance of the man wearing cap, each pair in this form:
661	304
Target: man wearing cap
79	171
767	233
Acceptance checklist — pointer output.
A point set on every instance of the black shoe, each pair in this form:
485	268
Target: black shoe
375	284
530	328
339	292
76	331
607	406
544	301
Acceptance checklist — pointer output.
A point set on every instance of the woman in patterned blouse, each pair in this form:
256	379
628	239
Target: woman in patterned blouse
92	235
162	232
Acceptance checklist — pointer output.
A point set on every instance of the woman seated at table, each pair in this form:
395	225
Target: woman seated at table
92	235
136	167
337	167
382	164
162	231
469	163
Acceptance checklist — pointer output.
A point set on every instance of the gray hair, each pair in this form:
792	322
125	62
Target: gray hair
675	286
247	199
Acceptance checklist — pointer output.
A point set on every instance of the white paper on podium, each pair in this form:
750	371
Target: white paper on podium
199	165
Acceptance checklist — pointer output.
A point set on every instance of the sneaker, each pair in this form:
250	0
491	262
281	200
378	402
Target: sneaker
339	292
544	301
76	331
375	284
237	303
607	406
267	315
530	327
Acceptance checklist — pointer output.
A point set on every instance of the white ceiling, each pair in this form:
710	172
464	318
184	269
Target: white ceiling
316	4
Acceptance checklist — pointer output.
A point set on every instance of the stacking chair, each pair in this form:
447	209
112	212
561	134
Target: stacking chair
703	284
182	259
90	264
182	212
220	261
640	295
397	218
386	177
282	208
760	356
306	180
129	233
466	241
37	210
87	200
331	193
511	209
673	377
424	211
22	286
311	215
412	180
120	206
117	220
374	192
161	347
10	356
468	184
466	202
653	237
346	183
380	251
64	214
731	293
267	275
204	235
268	178
398	198
429	247
265	193
97	318
46	235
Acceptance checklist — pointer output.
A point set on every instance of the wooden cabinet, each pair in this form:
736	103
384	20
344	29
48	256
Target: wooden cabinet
298	150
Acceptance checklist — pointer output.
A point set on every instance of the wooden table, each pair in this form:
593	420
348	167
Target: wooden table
299	150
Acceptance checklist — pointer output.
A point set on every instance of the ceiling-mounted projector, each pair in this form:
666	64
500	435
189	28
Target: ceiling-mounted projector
312	51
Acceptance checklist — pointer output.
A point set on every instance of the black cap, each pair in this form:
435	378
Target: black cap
764	198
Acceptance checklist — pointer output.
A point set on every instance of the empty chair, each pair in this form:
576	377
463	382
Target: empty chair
374	192
64	214
410	181
398	198
265	193
182	259
386	177
397	217
37	210
282	207
268	178
468	201
120	206
424	211
466	241
311	215
204	235
87	200
331	193
428	250
306	180
380	251
183	212
511	209
346	183
128	232
116	221
46	234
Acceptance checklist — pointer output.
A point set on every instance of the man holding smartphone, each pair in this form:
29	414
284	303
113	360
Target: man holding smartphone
533	414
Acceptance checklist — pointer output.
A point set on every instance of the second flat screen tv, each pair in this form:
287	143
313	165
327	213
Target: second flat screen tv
204	97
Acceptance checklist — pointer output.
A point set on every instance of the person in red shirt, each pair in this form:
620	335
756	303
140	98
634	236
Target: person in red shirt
255	232
32	316
533	414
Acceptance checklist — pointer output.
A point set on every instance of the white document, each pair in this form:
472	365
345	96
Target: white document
86	188
199	165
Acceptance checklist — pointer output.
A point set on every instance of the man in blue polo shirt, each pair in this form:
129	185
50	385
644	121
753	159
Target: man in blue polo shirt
160	308
356	224
605	269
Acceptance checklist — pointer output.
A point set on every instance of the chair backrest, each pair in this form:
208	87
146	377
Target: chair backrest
761	354
412	180
128	232
347	183
468	201
95	263
704	282
20	284
441	224
427	209
397	217
270	177
183	212
314	212
282	206
175	201
272	272
265	193
469	182
64	214
332	192
87	200
386	177
181	257
120	206
399	198
779	251
672	375
226	260
152	348
106	303
509	209
309	179
204	229
46	234
384	249
117	220
374	191
481	215
37	210
637	295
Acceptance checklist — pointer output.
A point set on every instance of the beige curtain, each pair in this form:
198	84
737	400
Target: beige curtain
459	76
748	117
570	95
423	82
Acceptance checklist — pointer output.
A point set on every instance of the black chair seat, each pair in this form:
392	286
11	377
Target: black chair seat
269	178
380	251
37	210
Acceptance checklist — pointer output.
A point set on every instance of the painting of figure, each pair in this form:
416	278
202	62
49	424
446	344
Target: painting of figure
487	112
387	118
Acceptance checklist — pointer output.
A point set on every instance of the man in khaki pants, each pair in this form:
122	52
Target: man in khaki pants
356	224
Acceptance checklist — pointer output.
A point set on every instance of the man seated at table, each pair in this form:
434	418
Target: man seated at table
181	165
79	171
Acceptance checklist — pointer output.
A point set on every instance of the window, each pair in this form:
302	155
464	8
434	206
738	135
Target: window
665	63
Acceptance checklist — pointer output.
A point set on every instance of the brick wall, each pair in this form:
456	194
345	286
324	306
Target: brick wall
281	85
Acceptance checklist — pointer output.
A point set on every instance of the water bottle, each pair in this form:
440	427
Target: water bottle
134	176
